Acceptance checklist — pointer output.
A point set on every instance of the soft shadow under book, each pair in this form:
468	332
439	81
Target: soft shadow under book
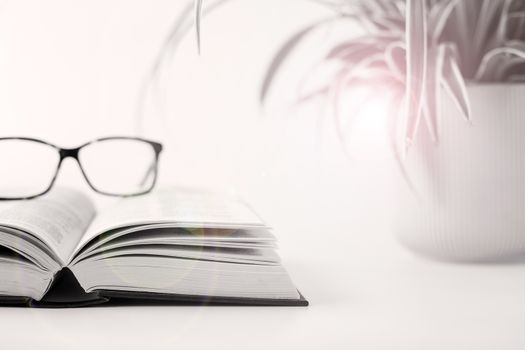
174	245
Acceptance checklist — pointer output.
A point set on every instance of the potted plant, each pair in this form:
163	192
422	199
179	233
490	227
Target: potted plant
453	70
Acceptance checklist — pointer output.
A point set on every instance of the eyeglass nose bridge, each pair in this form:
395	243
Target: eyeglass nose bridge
72	153
69	153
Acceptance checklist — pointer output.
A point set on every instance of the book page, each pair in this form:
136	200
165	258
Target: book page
191	207
59	219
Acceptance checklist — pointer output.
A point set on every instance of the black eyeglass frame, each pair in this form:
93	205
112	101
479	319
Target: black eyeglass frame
65	153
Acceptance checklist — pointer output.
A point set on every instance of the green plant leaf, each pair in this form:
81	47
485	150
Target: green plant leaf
416	41
502	28
198	16
439	16
453	81
489	13
443	42
516	26
395	57
282	55
492	59
182	25
348	50
396	106
431	106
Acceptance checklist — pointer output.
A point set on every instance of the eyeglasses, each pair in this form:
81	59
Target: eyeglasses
113	166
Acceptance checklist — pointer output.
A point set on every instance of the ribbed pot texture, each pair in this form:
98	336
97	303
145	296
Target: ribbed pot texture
467	202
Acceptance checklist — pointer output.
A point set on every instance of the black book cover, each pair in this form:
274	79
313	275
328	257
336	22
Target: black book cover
66	292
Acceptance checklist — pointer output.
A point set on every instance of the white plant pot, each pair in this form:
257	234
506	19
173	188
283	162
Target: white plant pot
468	202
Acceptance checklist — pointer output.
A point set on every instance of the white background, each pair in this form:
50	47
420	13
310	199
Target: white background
71	70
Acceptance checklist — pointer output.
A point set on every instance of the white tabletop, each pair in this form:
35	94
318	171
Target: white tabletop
366	292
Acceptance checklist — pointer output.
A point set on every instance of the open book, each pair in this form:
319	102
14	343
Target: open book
178	245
